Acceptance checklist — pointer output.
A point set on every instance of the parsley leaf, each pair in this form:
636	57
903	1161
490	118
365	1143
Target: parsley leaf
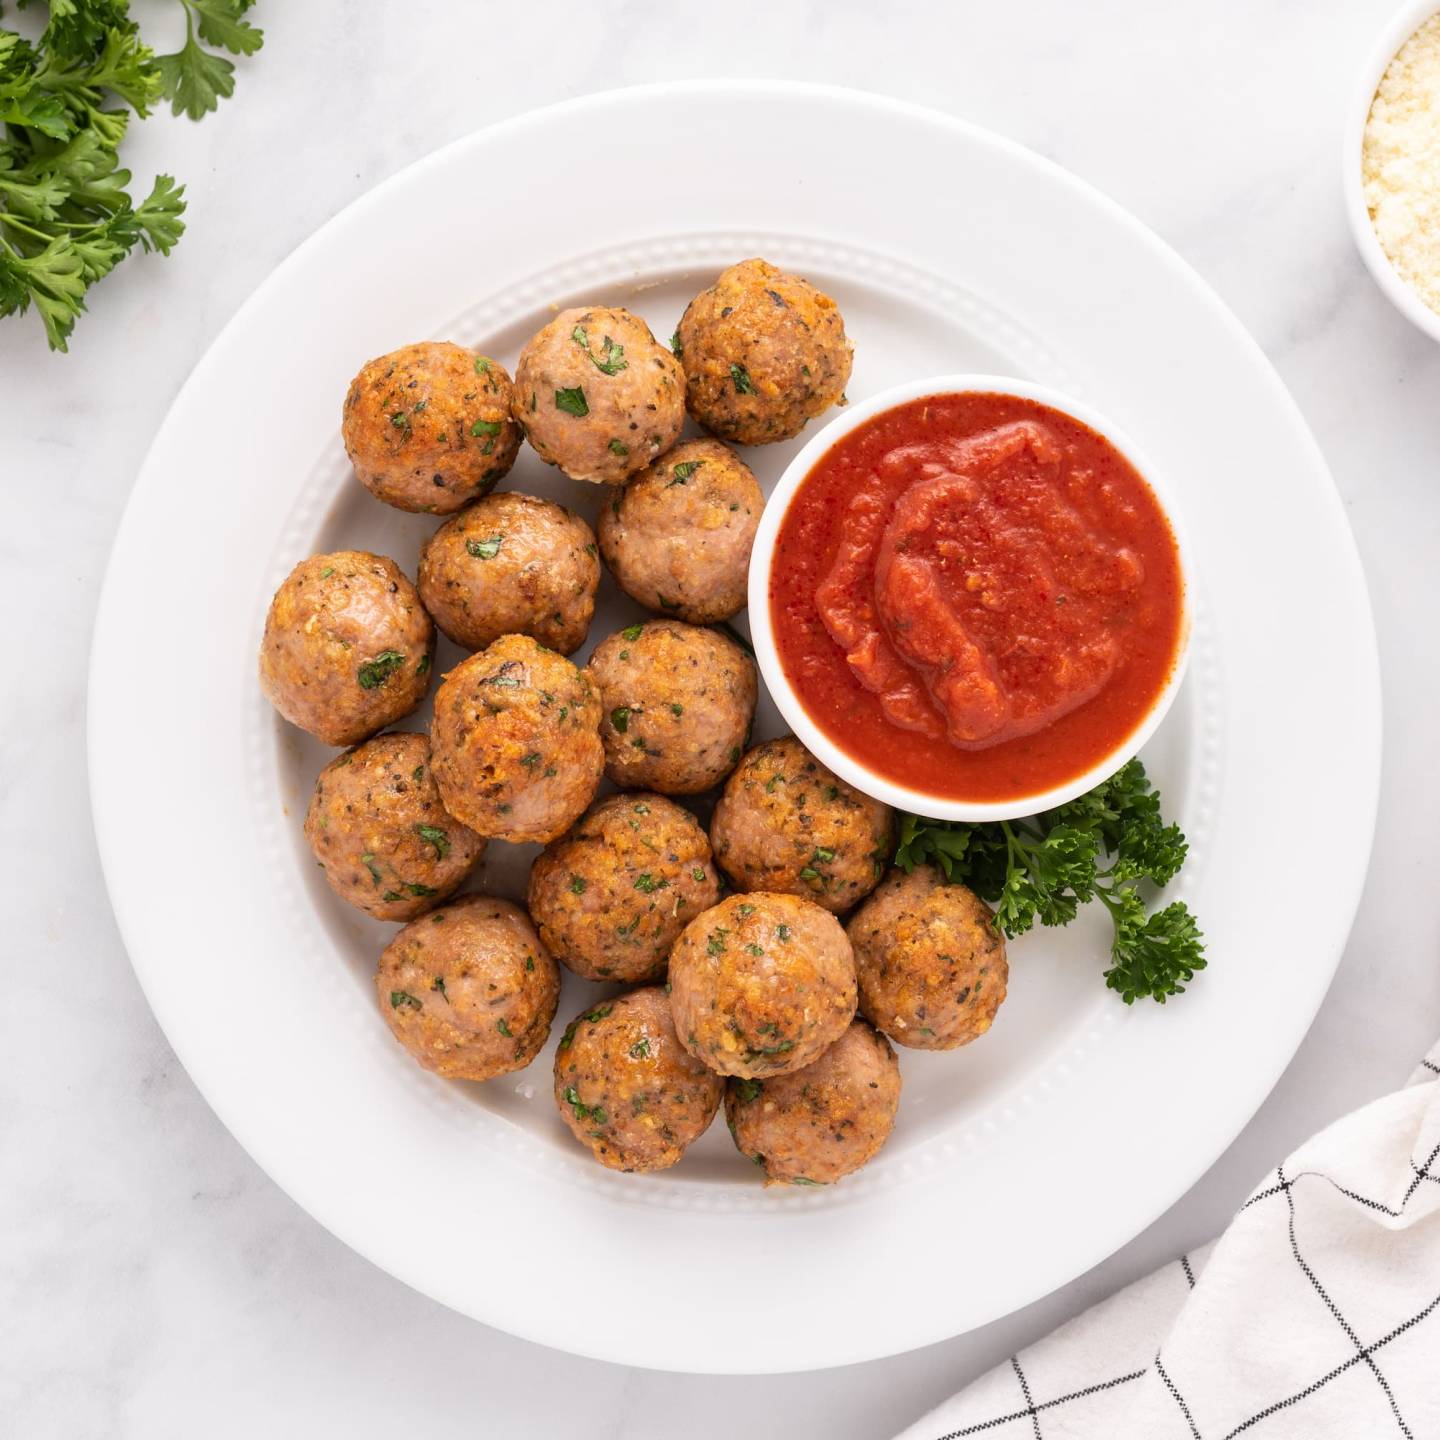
572	401
613	360
582	1111
374	673
67	218
1155	954
222	23
195	80
485	549
1100	846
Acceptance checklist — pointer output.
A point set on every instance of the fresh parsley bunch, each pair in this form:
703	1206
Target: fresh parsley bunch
1100	846
66	215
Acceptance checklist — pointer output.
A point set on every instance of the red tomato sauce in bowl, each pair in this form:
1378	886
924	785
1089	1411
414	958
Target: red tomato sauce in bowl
976	596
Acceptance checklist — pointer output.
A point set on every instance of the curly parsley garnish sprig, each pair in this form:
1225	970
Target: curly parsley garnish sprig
66	215
1102	846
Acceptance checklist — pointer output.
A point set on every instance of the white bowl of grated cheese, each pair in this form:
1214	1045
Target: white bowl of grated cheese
1391	169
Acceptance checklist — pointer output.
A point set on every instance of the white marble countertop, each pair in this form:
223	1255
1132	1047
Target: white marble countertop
153	1282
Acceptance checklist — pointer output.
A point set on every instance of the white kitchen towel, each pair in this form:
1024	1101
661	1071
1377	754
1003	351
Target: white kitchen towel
1315	1316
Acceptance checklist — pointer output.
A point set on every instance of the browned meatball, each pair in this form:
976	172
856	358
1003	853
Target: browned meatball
347	648
596	394
763	353
512	564
786	823
377	827
761	984
678	537
930	960
626	1086
468	989
676	701
428	426
611	895
819	1124
516	741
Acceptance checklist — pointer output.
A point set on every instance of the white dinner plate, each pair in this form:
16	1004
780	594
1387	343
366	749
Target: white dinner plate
1017	1162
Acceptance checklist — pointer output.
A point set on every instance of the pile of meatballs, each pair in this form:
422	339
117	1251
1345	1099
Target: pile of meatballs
744	985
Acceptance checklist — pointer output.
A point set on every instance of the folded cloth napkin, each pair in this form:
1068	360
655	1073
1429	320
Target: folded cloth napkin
1315	1316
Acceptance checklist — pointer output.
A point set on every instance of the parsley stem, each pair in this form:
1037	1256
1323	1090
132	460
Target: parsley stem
1107	895
6	218
1014	844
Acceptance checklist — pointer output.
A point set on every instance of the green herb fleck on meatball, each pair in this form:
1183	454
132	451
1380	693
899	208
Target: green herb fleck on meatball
484	549
374	673
572	401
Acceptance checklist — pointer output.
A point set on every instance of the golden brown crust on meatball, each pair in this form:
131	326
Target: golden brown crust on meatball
764	351
611	896
626	1086
512	564
428	427
347	648
930	959
468	989
761	984
676	704
677	538
817	1125
379	832
786	823
516	742
597	395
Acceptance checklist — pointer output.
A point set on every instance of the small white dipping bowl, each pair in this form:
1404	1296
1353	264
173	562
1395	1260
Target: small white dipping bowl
1400	28
762	632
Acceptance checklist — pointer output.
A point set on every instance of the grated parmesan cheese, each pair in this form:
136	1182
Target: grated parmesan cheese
1401	162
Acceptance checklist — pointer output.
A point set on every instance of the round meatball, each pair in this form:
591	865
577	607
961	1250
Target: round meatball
786	823
817	1125
761	984
596	394
428	427
379	832
676	702
678	537
347	648
611	896
763	352
512	565
930	960
628	1089
468	989
516	741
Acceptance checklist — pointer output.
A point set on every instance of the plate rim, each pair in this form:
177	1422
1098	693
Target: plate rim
1369	755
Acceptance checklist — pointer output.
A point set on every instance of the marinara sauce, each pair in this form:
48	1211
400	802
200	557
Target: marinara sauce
976	596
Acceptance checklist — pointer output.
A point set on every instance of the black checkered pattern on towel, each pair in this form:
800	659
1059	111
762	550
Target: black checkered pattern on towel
1316	1314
